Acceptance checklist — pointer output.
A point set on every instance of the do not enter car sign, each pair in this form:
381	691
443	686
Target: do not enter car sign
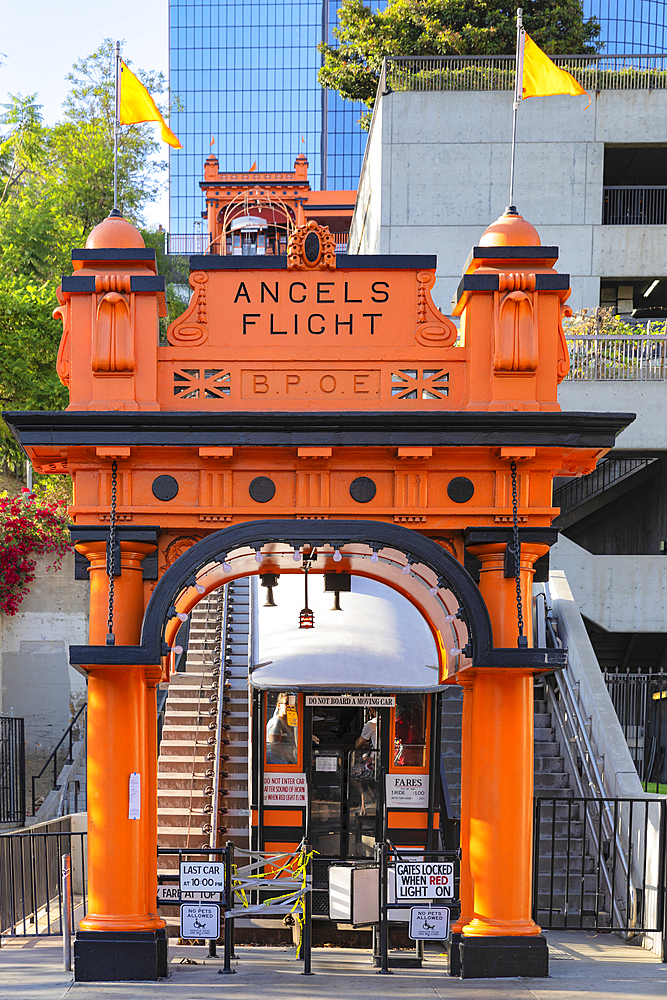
424	880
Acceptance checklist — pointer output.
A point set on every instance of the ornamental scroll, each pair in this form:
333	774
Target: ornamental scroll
515	325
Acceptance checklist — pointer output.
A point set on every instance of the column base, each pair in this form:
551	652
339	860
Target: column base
120	956
503	957
454	953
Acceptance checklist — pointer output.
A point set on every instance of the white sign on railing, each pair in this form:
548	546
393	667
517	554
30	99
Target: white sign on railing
429	923
424	880
202	876
200	921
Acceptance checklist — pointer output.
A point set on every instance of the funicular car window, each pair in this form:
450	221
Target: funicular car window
282	727
410	731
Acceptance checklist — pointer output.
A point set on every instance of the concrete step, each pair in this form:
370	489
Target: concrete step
450	734
573	884
549	765
169	799
556	782
546	749
560	828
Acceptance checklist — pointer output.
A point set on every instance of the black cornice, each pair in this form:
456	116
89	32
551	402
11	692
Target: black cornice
554	429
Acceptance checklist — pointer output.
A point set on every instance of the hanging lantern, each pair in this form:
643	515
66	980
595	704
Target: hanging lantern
306	616
269	580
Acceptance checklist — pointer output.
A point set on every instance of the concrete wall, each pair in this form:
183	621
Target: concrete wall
436	173
36	681
618	593
647	399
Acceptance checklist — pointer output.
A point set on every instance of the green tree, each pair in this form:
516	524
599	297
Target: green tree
56	183
442	27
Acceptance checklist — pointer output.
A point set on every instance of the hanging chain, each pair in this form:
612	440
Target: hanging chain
111	553
522	639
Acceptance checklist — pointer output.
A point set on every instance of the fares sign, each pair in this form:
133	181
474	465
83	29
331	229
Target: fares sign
407	791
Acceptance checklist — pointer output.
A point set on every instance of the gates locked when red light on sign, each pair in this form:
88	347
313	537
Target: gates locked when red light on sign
424	880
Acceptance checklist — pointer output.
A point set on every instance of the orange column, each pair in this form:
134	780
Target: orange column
465	887
501	804
150	860
118	734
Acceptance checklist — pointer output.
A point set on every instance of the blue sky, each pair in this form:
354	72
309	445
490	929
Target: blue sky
40	42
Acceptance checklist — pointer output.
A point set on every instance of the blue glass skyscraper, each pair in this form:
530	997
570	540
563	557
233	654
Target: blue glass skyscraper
633	26
244	73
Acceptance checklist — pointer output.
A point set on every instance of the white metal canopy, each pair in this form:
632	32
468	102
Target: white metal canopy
379	641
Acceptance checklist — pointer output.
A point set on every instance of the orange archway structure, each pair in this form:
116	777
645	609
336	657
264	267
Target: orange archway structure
314	399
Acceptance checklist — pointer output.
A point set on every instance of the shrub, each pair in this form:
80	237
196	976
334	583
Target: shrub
28	528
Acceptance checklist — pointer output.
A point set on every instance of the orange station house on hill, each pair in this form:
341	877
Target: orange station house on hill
313	411
254	213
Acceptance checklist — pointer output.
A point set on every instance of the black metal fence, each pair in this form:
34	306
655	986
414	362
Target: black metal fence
65	747
600	864
634	205
640	700
12	771
31	901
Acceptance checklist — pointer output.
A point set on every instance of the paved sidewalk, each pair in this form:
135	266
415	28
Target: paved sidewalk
583	965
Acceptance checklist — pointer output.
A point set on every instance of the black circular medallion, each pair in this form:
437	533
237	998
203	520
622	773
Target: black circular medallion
311	247
460	489
262	489
165	488
362	489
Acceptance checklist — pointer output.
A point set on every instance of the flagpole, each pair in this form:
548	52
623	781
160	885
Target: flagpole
518	92
115	130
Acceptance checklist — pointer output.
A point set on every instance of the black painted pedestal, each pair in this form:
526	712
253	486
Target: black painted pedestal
120	956
454	954
503	957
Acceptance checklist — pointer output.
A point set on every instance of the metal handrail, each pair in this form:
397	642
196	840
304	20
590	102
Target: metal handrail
54	756
219	731
606	358
620	71
609	472
572	727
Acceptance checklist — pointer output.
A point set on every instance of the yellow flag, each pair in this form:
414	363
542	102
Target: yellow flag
541	77
137	105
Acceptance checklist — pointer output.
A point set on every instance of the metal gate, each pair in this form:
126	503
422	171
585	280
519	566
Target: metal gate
600	864
12	771
31	899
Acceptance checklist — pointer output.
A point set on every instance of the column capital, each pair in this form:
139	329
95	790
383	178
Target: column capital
87	539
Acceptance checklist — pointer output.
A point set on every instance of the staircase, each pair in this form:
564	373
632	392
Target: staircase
556	843
452	703
196	740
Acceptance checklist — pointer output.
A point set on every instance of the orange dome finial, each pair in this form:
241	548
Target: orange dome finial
115	233
510	230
